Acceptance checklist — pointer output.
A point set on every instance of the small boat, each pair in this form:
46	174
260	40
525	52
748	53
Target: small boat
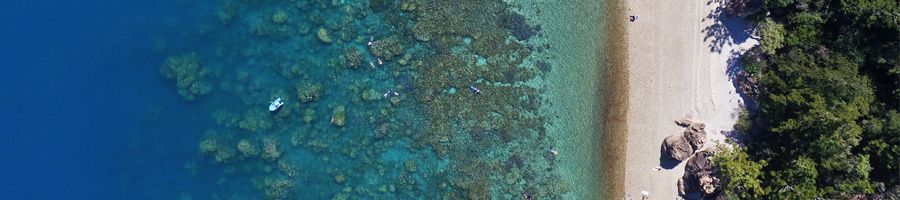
275	105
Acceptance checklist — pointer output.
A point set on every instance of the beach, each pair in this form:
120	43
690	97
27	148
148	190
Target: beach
679	55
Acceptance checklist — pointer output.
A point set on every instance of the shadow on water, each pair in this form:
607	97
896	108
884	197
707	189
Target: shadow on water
725	29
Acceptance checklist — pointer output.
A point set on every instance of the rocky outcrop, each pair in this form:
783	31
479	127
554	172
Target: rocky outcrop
699	176
677	147
742	8
696	135
681	145
699	179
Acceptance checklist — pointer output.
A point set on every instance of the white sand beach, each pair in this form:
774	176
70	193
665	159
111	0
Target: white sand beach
678	55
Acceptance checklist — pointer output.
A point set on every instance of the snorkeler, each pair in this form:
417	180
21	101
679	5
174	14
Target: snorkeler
474	90
552	151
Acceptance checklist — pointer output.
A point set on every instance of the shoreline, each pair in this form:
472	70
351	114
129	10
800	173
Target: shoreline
614	101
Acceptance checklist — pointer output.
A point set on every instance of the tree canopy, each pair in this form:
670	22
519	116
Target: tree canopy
827	125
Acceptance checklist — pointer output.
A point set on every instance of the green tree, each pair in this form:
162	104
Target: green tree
740	174
796	181
772	34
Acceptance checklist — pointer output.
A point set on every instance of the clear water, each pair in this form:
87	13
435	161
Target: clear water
165	100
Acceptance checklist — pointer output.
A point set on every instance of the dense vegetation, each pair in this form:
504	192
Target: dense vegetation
827	123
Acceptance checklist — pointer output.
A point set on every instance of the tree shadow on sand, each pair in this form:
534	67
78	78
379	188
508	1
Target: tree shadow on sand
725	30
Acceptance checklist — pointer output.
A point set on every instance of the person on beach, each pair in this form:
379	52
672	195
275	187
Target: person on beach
632	18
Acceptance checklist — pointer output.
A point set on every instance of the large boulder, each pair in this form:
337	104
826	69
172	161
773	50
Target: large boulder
699	176
677	147
696	135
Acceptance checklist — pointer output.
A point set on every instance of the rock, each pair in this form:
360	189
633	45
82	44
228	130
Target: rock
748	84
699	175
684	122
677	147
696	135
707	185
742	8
699	165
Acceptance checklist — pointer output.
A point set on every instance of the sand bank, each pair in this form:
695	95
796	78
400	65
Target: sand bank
678	64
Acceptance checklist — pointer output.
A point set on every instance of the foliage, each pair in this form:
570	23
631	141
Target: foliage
743	124
827	124
772	36
740	174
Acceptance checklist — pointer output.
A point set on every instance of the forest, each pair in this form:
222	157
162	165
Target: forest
826	125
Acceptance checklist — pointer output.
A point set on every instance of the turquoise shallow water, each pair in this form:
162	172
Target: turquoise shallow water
383	100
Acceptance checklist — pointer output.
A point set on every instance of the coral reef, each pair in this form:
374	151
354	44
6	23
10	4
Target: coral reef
213	144
339	116
339	178
270	149
410	165
280	17
278	188
323	36
255	120
288	169
519	27
387	48
188	74
371	95
247	149
309	93
352	58
430	59
395	101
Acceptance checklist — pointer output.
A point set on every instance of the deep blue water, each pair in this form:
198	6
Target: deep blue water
76	79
